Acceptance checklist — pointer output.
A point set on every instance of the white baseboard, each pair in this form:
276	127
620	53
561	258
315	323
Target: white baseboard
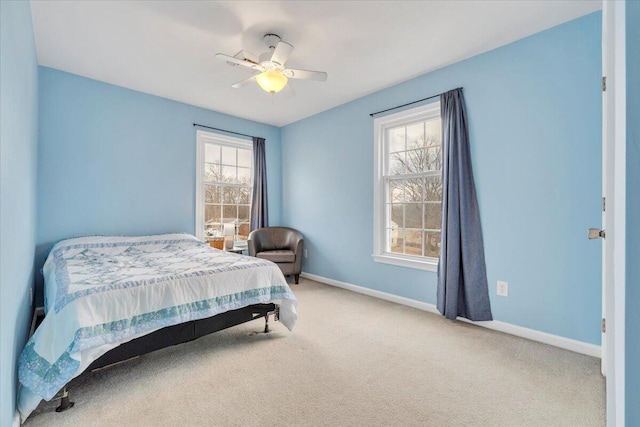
508	328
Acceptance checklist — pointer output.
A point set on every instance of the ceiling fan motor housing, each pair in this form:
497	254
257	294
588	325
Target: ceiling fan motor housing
271	40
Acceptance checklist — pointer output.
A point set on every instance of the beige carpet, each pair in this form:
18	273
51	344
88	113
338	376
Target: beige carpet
351	360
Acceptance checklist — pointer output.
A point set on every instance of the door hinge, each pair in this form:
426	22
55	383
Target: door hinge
604	325
604	83
604	204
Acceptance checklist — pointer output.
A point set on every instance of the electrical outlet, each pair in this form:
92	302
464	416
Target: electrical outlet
503	289
304	253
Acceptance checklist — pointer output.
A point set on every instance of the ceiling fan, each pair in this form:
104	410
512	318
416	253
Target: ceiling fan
269	70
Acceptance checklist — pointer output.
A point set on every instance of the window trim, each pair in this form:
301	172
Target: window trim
380	125
203	137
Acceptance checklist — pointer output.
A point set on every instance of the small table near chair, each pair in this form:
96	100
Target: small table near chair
218	243
237	249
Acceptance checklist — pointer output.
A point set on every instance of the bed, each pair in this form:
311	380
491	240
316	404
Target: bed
107	298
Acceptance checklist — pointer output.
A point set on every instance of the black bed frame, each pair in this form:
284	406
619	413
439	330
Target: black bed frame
173	335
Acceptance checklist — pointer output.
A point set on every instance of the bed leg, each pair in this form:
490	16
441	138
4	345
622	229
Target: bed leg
65	403
266	324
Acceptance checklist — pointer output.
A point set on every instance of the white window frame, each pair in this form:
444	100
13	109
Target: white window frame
381	124
203	137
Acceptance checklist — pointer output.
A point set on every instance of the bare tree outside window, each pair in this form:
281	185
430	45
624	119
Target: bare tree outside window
414	188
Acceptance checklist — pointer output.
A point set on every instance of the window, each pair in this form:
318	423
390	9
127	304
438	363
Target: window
408	187
223	183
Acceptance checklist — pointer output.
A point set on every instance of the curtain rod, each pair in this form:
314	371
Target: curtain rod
228	131
409	103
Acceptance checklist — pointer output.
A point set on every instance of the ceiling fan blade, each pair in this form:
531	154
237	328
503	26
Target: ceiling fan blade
244	82
247	56
306	75
242	62
281	53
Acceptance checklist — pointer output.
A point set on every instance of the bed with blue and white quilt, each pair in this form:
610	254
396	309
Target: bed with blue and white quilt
102	291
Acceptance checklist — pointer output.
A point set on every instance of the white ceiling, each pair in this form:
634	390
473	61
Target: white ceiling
167	48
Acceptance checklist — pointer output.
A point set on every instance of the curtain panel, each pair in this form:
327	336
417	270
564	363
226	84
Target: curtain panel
259	203
462	276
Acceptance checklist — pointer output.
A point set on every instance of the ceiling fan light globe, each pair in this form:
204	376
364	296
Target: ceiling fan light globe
272	81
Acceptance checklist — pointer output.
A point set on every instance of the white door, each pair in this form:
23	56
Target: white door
608	51
613	206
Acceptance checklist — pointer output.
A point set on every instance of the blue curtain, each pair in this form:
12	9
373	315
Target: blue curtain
259	204
462	274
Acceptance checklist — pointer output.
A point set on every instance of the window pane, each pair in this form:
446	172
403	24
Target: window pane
433	189
396	163
229	195
414	190
396	139
229	174
397	215
212	214
415	160
433	132
211	153
211	172
229	213
432	216
210	230
229	156
211	194
244	195
413	215
396	190
433	159
413	242
243	213
245	158
432	244
244	175
396	240
415	136
243	231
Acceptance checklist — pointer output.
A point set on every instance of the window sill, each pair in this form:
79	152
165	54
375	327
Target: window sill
430	264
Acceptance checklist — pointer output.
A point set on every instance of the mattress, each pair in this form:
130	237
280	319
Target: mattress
102	291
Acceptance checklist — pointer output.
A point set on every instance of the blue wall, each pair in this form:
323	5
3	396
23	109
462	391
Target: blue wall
18	161
632	329
117	161
535	126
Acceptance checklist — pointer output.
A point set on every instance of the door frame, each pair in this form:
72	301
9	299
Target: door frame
614	189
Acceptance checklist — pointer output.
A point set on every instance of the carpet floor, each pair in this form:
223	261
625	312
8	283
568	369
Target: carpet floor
351	360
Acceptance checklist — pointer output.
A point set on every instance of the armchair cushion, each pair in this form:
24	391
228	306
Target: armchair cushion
277	255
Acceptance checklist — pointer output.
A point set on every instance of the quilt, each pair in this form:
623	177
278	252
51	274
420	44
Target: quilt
103	291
